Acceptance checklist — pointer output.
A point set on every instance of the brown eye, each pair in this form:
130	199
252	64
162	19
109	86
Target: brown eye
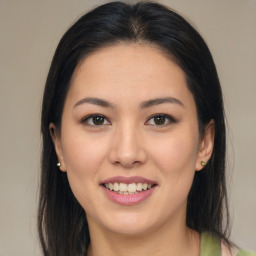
160	120
98	120
95	120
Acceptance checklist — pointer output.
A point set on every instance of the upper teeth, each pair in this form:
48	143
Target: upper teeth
123	187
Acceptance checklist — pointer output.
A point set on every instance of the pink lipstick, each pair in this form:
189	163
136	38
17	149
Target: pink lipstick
128	190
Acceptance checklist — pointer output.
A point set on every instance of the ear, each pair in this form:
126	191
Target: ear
55	134
206	145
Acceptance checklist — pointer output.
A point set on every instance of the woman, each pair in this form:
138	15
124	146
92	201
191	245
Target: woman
133	131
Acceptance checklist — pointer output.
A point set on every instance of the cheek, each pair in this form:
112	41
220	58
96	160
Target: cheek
176	153
175	157
83	154
83	157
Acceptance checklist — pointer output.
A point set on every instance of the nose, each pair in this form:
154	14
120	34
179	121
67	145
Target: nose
127	149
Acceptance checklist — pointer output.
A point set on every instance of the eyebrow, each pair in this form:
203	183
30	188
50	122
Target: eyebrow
144	104
153	102
95	101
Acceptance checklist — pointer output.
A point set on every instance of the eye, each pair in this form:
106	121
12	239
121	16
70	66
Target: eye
160	120
95	120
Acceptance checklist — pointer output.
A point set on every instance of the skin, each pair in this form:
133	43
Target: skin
130	143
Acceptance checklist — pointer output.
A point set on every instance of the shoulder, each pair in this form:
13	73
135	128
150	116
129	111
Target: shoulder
212	245
246	253
233	251
228	251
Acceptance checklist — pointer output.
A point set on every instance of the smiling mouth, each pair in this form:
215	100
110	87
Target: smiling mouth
128	189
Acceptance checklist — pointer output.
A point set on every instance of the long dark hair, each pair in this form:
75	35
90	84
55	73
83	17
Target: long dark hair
62	223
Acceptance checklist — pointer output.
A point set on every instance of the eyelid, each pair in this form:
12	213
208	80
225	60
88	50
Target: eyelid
85	119
169	117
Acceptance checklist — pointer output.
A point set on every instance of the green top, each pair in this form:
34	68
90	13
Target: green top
210	246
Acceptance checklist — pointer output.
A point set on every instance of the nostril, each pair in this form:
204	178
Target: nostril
128	164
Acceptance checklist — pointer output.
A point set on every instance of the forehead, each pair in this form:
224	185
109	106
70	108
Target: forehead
128	72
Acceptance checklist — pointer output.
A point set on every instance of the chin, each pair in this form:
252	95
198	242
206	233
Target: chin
129	224
129	229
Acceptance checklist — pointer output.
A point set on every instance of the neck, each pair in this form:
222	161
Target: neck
179	240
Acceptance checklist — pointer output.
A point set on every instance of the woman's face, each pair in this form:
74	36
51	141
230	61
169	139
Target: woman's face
129	139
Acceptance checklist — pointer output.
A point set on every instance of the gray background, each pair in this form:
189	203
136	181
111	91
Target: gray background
30	31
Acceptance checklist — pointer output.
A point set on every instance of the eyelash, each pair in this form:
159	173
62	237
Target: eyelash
165	116
91	117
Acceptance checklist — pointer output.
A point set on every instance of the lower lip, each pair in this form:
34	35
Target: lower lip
128	199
